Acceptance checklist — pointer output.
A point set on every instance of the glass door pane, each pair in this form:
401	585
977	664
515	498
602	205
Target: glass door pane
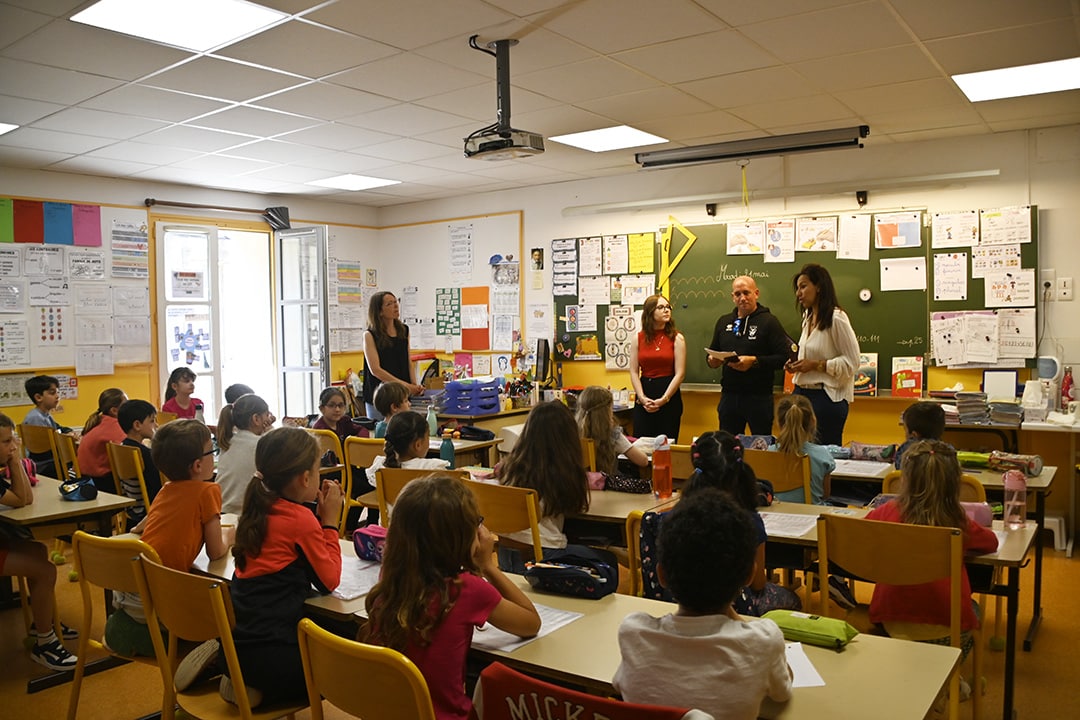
302	349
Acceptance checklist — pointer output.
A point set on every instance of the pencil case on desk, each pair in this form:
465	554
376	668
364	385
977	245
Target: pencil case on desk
812	629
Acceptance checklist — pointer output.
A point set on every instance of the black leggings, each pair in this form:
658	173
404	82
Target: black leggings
667	419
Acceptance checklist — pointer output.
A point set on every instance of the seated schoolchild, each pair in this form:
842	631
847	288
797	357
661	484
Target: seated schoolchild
101	428
798	430
44	392
334	416
138	420
704	655
391	398
922	421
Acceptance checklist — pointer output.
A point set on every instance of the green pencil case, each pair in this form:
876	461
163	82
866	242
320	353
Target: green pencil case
812	629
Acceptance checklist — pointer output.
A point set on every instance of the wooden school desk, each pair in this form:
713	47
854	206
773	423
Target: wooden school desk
49	508
586	653
1071	432
1011	554
478	451
611	509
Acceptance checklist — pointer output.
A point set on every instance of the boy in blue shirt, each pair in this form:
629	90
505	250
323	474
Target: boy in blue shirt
44	392
138	419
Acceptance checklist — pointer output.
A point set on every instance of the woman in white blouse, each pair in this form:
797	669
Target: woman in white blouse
828	353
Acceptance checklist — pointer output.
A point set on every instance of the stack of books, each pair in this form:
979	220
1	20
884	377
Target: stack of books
972	408
432	397
1006	413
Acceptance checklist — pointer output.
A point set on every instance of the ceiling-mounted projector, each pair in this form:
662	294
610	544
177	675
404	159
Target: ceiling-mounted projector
499	141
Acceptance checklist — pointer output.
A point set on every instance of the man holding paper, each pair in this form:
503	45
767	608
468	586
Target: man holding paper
751	345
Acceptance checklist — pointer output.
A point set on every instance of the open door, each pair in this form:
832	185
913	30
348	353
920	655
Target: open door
303	351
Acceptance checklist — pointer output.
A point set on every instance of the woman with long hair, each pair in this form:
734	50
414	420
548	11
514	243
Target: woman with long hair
657	369
386	350
828	353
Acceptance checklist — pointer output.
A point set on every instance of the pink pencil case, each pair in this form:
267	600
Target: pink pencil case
369	541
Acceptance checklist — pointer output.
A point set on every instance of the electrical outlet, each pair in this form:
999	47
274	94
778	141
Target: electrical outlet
1047	284
1065	289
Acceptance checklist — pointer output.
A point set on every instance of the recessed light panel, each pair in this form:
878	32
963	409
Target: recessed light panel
197	25
353	182
1022	80
612	138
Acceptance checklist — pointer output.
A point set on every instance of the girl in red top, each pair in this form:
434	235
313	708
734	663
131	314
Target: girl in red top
929	495
439	582
178	394
281	550
657	369
101	428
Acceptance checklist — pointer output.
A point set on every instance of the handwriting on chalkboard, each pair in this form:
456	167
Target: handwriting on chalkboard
917	341
868	338
724	274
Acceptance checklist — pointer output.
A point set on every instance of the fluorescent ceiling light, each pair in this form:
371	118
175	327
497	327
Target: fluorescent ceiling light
757	147
191	24
612	138
6	128
1022	80
353	182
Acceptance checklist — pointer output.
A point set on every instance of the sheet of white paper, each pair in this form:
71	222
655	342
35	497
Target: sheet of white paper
502	334
594	290
950	276
637	288
94	360
474	316
861	468
853	239
10	262
489	637
93	298
357	577
907	273
616	255
94	330
131	331
1001	226
803	672
1016	332
1001	289
539	322
955	229
981	339
746	238
780	240
788	525
994	258
817	234
591	256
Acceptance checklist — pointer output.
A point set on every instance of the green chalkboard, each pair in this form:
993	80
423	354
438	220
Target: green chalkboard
891	323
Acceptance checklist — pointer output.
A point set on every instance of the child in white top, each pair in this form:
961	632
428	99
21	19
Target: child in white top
596	419
407	443
238	429
704	655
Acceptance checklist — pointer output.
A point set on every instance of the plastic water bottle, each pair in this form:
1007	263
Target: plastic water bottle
199	413
432	422
1015	499
661	468
446	450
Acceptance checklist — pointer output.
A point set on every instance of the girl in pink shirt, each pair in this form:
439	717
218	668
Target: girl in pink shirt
101	428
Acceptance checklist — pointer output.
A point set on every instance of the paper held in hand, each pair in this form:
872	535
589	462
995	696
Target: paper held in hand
720	354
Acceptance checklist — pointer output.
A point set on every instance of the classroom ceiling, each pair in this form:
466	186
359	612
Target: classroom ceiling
389	89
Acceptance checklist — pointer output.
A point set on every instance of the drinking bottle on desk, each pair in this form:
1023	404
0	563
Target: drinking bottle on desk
432	422
1015	499
446	450
199	413
661	468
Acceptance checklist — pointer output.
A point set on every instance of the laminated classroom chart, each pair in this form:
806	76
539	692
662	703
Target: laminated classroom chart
43	261
780	240
12	296
816	234
616	255
130	250
897	230
86	264
994	258
460	250
1004	226
49	291
590	256
746	238
14	344
954	229
52	326
1010	289
94	361
10	262
950	276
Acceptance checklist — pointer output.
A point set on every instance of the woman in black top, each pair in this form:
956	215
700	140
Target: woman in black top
386	350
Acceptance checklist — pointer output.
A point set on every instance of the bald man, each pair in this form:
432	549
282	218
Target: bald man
761	348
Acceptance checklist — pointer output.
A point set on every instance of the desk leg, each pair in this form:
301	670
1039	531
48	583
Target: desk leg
1036	613
1013	607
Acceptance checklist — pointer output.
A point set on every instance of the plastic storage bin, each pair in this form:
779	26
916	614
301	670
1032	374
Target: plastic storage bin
472	397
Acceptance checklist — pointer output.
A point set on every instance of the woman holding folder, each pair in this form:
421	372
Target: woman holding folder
657	369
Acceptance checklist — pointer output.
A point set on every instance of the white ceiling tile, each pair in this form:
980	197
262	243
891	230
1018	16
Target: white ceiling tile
290	174
932	19
816	108
684	127
613	25
715	53
275	151
101	166
479	102
20	111
38	82
940	133
450	137
16	22
829	32
153	103
253	121
305	49
411	23
336	136
223	164
25	157
406	150
1045	121
191	138
1005	48
182	176
635	107
868	69
558	120
536	49
327	102
216	78
344	162
752	86
406	77
915	94
73	46
585	80
405	120
35	139
571	159
893	119
1032	106
96	122
144	153
740	12
292	7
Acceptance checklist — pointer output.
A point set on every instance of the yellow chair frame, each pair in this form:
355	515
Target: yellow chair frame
40	439
359	452
103	563
507	509
164	418
332	665
682	464
633	551
900	554
588	453
328	442
390	482
786	471
67	455
196	608
126	464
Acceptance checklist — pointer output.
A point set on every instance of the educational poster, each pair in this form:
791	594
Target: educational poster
94	330
1003	226
981	342
564	267
1016	332
616	255
463	365
188	285
502	332
1010	289
642	252
817	234
474	318
131	331
746	238
481	365
12	389
955	229
594	290
94	361
460	250
853	238
14	344
86	265
10	262
52	326
620	332
780	242
189	336
538	321
86	225
131	300
994	258
897	230
637	288
67	387
505	272
590	256
12	296
43	261
950	276
130	250
49	291
448	311
56	222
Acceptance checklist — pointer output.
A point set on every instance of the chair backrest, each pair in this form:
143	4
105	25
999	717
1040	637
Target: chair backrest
332	664
328	442
505	694
786	471
360	453
633	550
67	455
126	464
507	509
390	482
642	530
39	439
971	490
588	453
682	464
191	607
894	554
164	418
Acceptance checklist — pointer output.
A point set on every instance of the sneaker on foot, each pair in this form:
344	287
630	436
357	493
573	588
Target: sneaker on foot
841	593
195	664
53	655
228	693
68	633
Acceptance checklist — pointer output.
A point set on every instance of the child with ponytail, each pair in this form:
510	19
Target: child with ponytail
798	431
407	443
238	429
101	428
281	550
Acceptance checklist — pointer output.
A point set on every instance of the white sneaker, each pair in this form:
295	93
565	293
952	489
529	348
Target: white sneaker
53	655
195	664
